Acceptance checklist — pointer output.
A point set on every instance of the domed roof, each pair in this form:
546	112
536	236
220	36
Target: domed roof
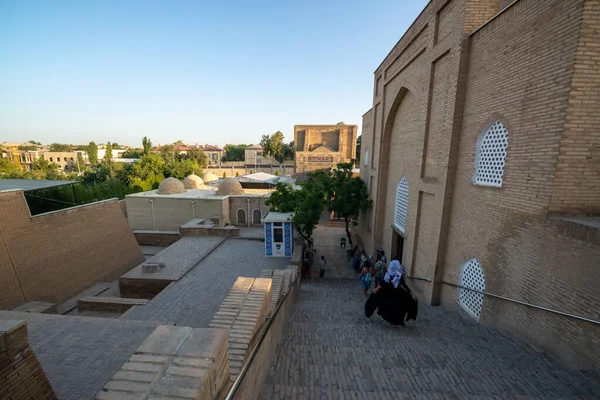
193	182
210	177
170	186
230	186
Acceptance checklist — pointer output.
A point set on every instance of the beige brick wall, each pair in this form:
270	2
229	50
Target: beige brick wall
577	180
532	67
59	254
241	202
170	213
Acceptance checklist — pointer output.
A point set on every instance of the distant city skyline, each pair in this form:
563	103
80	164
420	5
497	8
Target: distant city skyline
200	73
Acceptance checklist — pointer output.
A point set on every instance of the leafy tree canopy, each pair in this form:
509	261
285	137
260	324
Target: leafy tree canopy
60	147
234	152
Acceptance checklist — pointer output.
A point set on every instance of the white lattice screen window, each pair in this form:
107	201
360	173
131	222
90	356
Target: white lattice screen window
490	155
401	204
471	276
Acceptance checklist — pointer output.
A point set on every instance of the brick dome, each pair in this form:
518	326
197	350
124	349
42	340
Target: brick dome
193	182
230	186
210	177
170	186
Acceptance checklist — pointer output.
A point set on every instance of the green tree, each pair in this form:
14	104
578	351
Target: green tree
9	167
34	142
182	168
341	123
108	154
234	152
41	164
167	152
346	195
224	175
273	146
116	146
307	204
237	173
276	172
146	145
80	162
358	147
27	147
92	150
60	147
197	155
133	153
150	166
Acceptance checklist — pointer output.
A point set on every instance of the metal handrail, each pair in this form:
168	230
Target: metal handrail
245	367
524	303
419	279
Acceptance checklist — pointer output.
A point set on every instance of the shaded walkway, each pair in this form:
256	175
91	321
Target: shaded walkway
329	350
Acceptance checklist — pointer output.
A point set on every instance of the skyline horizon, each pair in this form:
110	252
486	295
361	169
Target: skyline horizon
106	71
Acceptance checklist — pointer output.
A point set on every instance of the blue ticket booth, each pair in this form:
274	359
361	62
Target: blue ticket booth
278	234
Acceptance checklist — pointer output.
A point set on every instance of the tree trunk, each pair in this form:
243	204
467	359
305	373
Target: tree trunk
348	231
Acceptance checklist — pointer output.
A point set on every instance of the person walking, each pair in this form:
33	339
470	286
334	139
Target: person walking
322	264
366	276
380	269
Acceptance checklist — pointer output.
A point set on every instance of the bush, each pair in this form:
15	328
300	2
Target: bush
224	175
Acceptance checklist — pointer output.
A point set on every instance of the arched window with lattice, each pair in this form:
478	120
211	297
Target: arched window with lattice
241	216
471	276
490	155
401	204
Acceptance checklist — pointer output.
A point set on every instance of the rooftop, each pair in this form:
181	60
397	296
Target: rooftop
30	184
202	193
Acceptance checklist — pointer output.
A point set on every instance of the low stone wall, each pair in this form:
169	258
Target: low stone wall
21	375
108	304
150	238
243	313
256	374
191	229
173	362
142	288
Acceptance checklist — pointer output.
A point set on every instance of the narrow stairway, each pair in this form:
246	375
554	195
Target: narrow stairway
329	350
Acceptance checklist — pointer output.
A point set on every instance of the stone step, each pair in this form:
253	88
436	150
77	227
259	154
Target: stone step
110	304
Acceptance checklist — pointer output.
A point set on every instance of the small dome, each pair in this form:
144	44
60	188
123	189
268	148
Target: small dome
170	186
193	182
210	177
229	186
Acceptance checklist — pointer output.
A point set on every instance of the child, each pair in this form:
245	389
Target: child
322	263
366	276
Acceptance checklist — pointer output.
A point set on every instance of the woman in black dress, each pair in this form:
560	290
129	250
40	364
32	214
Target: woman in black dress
393	299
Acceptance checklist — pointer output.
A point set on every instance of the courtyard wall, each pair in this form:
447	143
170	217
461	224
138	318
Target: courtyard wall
53	256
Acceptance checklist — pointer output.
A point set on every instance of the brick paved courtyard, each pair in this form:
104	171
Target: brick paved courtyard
329	350
80	354
193	300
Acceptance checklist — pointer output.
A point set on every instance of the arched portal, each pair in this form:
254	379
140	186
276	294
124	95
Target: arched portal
398	128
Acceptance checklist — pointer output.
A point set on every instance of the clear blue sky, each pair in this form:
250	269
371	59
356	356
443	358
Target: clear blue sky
203	72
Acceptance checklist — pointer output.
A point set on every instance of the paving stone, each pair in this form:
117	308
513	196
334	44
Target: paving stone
329	350
195	298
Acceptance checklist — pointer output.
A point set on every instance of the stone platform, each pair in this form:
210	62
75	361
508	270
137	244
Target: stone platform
173	362
178	259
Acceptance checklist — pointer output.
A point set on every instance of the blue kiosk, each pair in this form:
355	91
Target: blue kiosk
279	234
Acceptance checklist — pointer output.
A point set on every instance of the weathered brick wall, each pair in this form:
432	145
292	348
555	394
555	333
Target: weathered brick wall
241	202
522	77
59	254
577	180
21	375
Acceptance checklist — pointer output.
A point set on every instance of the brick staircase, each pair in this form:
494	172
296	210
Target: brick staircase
330	350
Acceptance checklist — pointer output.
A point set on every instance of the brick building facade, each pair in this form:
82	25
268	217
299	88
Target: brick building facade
323	146
481	146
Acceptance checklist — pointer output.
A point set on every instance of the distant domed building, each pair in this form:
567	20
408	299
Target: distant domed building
230	186
170	186
193	182
210	177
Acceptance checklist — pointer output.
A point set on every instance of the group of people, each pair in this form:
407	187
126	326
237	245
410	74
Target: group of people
391	296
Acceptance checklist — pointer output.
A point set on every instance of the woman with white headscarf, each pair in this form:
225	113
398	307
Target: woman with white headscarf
393	299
